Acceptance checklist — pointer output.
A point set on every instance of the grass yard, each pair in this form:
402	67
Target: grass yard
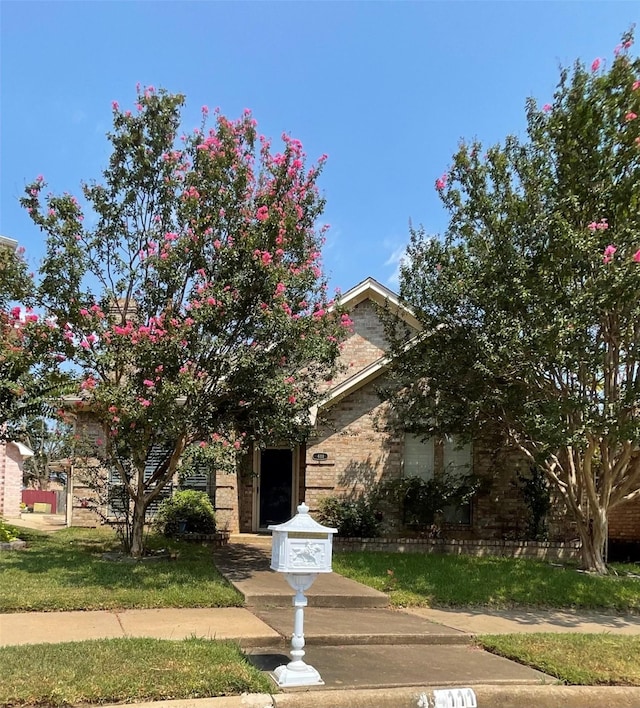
582	659
65	571
124	670
458	581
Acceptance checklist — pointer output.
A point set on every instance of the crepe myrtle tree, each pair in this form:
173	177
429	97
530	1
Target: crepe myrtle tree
29	352
531	300
194	304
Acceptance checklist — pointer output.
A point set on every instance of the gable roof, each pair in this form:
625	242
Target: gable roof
371	289
368	289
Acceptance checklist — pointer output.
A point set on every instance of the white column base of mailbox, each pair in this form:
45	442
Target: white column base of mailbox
297	672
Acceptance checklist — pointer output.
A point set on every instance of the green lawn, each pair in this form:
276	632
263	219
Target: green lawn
124	670
461	581
584	659
65	571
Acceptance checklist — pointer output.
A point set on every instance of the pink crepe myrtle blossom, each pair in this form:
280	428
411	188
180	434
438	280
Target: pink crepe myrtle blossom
608	254
144	402
88	384
292	399
635	86
547	107
148	383
262	214
636	256
630	116
601	225
441	182
595	64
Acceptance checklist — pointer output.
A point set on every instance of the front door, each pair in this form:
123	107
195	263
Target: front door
275	490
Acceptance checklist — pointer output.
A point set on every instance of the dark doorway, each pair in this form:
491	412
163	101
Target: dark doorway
276	486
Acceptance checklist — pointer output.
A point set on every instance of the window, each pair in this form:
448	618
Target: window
419	457
436	456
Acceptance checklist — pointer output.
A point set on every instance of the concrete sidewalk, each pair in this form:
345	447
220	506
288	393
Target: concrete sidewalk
210	623
483	621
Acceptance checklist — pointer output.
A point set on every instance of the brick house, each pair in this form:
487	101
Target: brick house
349	451
12	457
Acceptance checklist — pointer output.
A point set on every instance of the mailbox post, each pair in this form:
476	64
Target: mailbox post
300	548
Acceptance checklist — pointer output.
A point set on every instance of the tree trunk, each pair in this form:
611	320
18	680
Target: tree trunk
594	539
136	549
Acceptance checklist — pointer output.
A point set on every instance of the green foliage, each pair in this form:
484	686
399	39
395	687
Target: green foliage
194	303
7	533
534	488
354	517
29	358
530	302
187	511
421	503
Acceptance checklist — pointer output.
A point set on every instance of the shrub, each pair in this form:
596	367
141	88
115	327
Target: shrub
421	503
353	517
536	493
6	533
187	511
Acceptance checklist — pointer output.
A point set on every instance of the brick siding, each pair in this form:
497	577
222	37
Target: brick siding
10	481
624	522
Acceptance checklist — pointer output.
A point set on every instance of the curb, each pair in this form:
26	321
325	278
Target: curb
513	696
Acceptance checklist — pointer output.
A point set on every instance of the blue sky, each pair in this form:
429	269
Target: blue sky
386	89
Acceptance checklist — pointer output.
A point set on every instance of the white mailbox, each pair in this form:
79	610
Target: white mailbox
300	548
301	545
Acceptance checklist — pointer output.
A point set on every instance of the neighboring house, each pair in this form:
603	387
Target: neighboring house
12	457
350	450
